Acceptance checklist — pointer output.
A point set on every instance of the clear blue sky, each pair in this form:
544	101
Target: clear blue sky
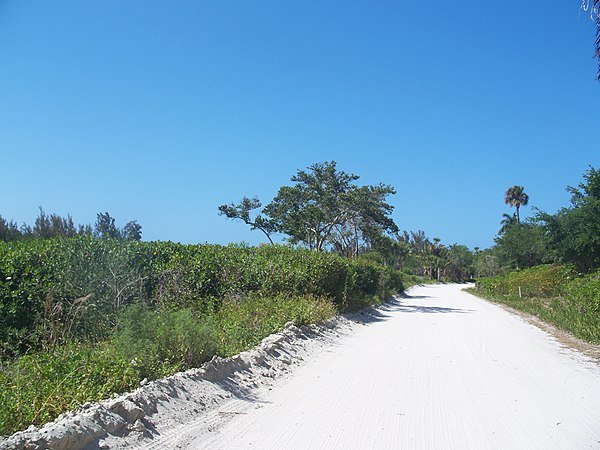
161	111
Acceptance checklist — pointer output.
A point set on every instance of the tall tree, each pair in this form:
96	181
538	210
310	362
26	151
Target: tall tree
522	246
9	231
53	225
309	210
132	231
515	196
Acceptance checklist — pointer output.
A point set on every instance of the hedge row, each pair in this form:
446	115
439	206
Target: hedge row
56	290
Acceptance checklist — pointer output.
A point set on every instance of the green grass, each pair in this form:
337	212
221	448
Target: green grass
36	388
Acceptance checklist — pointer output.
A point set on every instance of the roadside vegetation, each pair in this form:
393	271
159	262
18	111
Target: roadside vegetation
84	317
86	311
548	265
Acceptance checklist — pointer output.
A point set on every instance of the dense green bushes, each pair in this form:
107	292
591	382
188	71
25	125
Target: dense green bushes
554	293
81	318
54	290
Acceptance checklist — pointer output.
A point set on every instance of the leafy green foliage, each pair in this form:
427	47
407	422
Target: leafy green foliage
574	233
584	293
486	263
459	263
117	311
541	281
53	290
522	246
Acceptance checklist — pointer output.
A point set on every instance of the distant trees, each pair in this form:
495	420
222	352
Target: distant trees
106	228
522	246
53	225
414	253
9	231
571	236
516	197
324	208
47	226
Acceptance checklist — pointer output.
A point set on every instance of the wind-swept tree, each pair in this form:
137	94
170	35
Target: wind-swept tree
515	196
242	211
309	210
324	208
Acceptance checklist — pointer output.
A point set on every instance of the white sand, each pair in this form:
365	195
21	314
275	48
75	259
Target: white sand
439	369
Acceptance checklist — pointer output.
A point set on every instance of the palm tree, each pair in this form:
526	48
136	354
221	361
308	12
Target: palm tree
594	8
516	196
597	8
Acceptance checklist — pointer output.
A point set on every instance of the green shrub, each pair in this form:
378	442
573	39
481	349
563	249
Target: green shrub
52	291
162	342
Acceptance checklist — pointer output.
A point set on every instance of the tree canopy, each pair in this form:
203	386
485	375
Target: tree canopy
323	208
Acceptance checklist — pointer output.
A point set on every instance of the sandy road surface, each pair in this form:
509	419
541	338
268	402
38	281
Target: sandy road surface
439	370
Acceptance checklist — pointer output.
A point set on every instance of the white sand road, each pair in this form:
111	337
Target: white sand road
438	369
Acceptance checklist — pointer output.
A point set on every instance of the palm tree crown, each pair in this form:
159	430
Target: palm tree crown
516	196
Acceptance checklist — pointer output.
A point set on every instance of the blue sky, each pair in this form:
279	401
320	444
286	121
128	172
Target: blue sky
161	111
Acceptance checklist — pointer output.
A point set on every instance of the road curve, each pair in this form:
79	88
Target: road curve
439	369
